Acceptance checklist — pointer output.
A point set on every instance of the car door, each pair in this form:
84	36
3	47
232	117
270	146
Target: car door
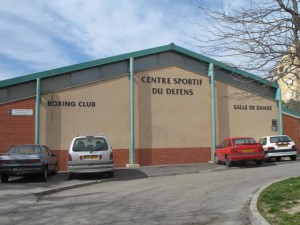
51	159
263	142
220	151
227	148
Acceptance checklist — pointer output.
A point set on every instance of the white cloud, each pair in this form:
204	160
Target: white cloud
37	35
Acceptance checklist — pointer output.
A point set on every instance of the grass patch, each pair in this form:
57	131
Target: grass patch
279	203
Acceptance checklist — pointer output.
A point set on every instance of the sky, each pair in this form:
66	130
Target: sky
39	35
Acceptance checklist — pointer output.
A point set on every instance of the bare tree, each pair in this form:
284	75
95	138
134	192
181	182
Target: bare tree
262	38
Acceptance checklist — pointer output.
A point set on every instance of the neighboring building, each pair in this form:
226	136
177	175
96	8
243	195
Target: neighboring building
287	74
181	104
291	125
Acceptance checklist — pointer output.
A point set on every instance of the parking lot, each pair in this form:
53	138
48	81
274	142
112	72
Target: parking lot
198	193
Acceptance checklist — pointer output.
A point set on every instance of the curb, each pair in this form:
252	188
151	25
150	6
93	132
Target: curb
68	187
254	215
20	201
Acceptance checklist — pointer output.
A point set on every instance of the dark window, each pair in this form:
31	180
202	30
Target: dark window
280	139
274	125
90	144
242	141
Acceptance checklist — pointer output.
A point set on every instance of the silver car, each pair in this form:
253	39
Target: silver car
90	154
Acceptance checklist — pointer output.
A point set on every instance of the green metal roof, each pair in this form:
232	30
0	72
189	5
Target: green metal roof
170	47
291	112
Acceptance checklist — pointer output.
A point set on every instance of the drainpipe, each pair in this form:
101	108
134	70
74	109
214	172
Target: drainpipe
37	110
213	109
132	147
279	101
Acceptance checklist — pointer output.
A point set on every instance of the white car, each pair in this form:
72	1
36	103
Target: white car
278	146
90	154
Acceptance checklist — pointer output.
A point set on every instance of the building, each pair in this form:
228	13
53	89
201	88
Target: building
291	125
165	105
286	72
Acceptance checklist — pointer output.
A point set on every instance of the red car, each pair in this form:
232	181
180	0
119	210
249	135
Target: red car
239	149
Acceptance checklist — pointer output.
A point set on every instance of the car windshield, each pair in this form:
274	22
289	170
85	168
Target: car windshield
26	149
243	141
90	144
280	139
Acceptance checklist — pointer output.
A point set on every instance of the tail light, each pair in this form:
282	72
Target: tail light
294	147
81	157
100	157
271	148
69	157
111	156
4	161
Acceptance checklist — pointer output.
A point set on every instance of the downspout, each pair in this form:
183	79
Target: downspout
132	147
37	110
213	109
279	101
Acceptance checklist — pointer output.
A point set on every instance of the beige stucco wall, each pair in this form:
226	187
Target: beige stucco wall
161	120
240	113
110	115
173	120
180	119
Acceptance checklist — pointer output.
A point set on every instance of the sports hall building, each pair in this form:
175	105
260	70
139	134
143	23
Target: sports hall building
164	105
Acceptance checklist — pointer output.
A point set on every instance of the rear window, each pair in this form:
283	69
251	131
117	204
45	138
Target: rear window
90	144
280	139
26	149
242	141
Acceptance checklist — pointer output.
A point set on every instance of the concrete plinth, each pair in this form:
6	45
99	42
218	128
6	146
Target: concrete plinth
131	166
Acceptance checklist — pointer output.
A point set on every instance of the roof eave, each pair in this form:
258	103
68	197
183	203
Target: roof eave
99	62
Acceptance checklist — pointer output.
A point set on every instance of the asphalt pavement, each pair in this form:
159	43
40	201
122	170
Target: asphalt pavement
19	192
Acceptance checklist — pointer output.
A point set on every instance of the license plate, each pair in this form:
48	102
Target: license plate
90	157
283	146
17	169
248	150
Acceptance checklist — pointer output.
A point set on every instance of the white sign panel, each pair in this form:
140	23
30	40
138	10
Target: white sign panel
21	112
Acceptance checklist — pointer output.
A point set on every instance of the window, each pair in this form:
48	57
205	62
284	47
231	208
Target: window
274	125
263	141
280	139
90	144
241	141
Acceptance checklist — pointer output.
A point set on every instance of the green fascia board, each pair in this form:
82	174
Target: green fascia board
291	112
127	56
226	67
81	66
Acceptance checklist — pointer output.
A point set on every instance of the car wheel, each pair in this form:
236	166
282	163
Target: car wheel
4	178
110	174
268	159
70	176
278	158
258	162
44	175
293	157
216	161
228	162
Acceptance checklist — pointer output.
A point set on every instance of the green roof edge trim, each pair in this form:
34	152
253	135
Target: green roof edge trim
226	67
127	56
291	112
81	66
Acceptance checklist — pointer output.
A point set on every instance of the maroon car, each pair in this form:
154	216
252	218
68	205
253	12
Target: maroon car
239	149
